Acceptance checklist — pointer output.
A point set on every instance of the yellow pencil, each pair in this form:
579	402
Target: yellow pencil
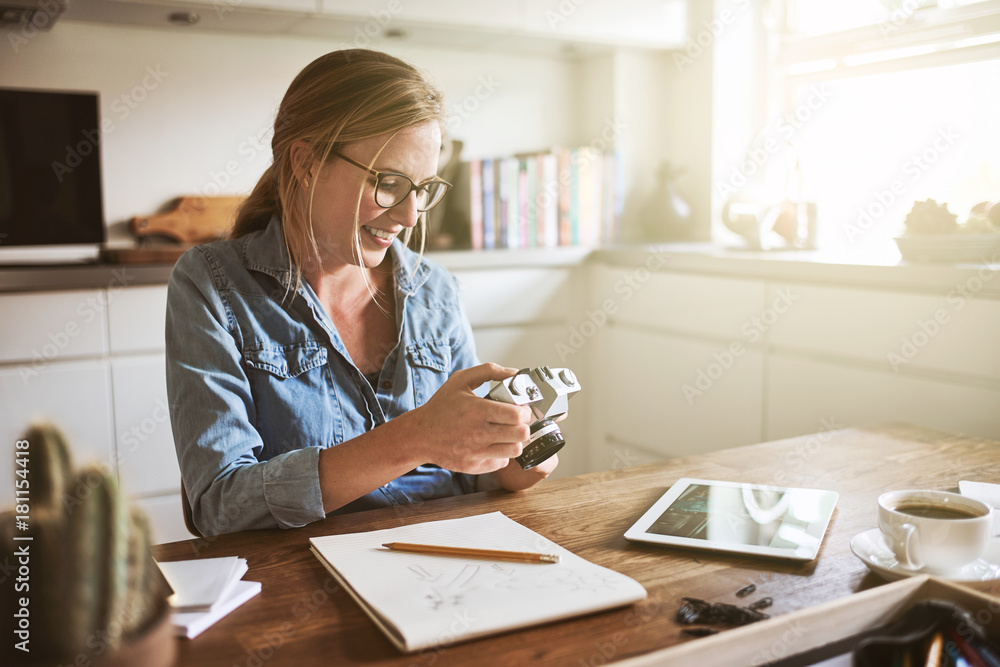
464	552
934	652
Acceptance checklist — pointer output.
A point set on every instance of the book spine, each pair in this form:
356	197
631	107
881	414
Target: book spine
549	225
523	197
565	235
503	197
489	206
476	203
574	198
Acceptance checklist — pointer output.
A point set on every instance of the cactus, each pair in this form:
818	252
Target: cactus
97	583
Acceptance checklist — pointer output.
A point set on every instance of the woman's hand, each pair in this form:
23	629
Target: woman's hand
462	432
515	478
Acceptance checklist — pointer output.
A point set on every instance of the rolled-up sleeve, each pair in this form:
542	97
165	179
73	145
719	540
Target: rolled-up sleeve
212	416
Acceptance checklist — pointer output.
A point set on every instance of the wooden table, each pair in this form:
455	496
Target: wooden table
303	618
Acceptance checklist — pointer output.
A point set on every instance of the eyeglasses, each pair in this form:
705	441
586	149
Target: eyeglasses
392	189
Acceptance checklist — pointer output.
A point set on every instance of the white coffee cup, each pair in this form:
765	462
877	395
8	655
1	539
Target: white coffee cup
934	530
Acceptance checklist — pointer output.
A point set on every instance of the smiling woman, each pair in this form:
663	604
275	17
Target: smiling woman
288	344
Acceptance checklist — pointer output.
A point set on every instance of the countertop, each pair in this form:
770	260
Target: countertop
814	266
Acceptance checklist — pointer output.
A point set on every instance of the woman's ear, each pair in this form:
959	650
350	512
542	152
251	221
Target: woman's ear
303	161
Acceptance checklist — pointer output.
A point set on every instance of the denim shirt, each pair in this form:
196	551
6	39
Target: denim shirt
259	381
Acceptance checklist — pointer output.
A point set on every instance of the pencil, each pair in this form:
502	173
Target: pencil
489	554
934	653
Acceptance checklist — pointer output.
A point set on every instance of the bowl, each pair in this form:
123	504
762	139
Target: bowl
955	248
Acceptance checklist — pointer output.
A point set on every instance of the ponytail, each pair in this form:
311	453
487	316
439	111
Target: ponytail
259	207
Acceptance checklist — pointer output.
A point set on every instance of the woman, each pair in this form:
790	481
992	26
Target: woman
314	363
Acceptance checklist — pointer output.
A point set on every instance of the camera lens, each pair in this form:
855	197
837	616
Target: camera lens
546	439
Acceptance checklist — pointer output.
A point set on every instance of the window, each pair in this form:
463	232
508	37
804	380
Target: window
881	103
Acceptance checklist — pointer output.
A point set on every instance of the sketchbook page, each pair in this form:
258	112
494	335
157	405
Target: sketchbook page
198	584
387	628
431	600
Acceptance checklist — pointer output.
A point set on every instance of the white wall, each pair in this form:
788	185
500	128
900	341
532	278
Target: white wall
212	100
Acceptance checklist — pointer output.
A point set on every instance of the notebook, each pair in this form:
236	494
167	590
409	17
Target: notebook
421	600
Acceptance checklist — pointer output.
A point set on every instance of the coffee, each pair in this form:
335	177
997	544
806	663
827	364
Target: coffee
937	512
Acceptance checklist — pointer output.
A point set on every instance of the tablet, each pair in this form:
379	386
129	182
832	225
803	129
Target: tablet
740	518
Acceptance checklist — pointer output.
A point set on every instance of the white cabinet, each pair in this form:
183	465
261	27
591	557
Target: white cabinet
492	16
689	362
654	23
42	328
73	358
658	24
675	369
712	306
805	394
894	329
74	396
147	462
137	319
654	396
497	297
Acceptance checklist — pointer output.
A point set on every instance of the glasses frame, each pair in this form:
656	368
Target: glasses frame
413	186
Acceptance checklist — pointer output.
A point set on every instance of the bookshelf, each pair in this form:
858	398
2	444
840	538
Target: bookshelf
562	198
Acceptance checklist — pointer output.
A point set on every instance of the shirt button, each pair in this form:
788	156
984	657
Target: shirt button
387	385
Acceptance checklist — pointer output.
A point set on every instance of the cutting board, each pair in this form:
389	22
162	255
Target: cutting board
192	220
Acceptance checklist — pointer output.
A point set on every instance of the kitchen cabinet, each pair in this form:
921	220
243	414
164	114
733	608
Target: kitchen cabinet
74	395
916	346
675	373
651	23
71	357
532	24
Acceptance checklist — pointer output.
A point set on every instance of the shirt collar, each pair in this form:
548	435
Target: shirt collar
266	252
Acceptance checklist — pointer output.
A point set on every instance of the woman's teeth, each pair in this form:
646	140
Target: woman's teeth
379	233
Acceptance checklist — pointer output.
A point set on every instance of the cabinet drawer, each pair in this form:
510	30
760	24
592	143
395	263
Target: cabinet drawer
42	328
521	296
675	397
898	330
74	396
136	319
803	392
147	462
702	305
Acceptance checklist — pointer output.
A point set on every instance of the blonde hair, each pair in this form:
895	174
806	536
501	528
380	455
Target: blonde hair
339	98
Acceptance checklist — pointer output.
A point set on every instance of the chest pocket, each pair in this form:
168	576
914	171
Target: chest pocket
287	361
431	364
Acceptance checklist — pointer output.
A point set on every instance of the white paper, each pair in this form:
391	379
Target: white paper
200	584
422	600
192	623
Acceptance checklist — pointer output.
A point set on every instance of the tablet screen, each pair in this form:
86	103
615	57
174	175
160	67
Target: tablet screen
746	518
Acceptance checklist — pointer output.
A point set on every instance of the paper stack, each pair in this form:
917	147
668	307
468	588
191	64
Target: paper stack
205	590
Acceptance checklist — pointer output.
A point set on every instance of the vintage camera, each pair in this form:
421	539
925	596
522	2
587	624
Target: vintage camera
547	392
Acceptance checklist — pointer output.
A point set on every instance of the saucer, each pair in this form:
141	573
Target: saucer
870	546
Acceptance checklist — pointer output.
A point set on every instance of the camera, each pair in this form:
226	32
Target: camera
547	392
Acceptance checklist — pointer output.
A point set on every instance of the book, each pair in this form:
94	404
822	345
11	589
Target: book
489	205
476	203
415	599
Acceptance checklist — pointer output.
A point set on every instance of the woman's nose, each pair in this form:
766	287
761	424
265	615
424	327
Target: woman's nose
405	212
